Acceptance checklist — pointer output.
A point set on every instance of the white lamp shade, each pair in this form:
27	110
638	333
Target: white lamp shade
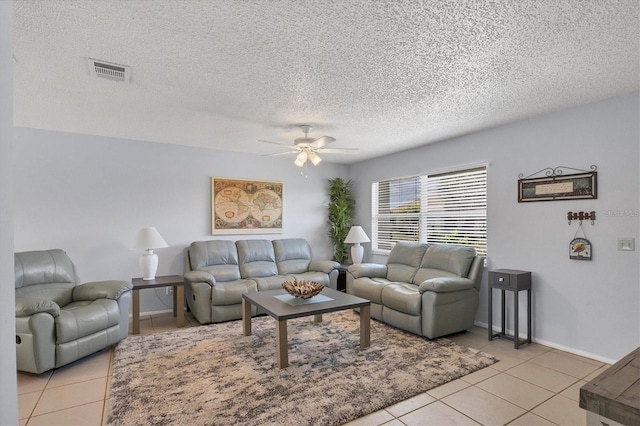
315	158
356	235
301	159
148	239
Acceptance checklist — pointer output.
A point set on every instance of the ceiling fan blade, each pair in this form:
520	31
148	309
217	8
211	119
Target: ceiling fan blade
322	141
280	153
338	151
274	143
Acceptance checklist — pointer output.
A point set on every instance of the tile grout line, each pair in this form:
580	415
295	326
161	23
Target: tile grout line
108	385
485	349
558	393
39	398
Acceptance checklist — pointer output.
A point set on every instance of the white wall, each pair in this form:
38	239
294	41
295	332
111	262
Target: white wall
587	307
8	383
90	195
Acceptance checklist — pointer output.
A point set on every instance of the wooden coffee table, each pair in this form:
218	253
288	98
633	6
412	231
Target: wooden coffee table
282	306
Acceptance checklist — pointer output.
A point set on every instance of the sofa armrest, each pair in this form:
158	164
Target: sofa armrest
94	290
325	266
371	270
199	276
26	307
446	285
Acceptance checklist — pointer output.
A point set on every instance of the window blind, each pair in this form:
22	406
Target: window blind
396	211
456	209
438	208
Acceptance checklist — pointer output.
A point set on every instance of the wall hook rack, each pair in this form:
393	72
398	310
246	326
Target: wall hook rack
580	216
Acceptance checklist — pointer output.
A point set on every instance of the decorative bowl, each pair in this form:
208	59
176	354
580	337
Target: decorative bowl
303	289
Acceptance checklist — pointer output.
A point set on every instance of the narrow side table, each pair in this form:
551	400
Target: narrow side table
175	281
342	278
516	281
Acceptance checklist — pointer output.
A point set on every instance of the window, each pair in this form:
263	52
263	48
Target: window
435	208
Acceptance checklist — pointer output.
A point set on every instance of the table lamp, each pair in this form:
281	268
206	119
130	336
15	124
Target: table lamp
356	236
148	239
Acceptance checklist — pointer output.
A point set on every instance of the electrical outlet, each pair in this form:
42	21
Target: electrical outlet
626	244
168	290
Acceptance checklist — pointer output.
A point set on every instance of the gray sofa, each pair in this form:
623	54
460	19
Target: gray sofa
218	272
429	290
59	320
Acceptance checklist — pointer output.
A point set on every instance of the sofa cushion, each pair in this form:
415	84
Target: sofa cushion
47	266
369	288
293	255
60	293
256	258
217	257
425	274
444	260
271	283
403	298
230	293
404	260
80	319
46	274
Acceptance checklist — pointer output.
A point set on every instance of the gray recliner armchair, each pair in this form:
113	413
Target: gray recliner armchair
58	320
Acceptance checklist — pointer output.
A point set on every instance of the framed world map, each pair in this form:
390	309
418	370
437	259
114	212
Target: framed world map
240	206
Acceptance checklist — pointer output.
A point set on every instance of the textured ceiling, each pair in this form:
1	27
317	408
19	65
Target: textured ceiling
381	76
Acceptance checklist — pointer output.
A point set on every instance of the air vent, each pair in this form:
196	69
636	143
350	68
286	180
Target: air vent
110	71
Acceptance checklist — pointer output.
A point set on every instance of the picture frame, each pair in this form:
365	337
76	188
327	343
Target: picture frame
577	186
243	206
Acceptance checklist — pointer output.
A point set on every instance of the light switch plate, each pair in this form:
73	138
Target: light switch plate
626	244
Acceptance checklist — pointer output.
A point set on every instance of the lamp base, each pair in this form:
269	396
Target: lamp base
357	252
149	265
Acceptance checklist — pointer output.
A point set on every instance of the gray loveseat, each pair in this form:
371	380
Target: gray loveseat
429	290
59	320
218	272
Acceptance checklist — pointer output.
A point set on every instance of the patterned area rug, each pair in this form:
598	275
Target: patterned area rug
212	375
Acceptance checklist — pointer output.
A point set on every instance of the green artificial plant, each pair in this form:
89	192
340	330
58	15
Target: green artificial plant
341	210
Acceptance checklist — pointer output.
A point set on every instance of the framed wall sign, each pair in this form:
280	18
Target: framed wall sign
240	206
558	186
580	249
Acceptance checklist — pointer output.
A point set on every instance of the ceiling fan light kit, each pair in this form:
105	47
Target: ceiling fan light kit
307	148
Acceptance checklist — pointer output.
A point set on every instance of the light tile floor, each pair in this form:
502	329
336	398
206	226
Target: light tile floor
534	385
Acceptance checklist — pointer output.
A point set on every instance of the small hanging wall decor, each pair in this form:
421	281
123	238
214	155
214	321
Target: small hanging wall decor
580	249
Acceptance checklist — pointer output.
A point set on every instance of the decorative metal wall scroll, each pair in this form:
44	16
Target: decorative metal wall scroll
556	185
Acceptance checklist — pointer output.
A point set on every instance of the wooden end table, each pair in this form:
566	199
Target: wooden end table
342	278
515	281
175	281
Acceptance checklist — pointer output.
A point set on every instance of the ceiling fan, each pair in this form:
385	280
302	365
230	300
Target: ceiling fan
308	148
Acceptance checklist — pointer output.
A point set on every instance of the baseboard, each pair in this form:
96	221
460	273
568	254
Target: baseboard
553	345
162	311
